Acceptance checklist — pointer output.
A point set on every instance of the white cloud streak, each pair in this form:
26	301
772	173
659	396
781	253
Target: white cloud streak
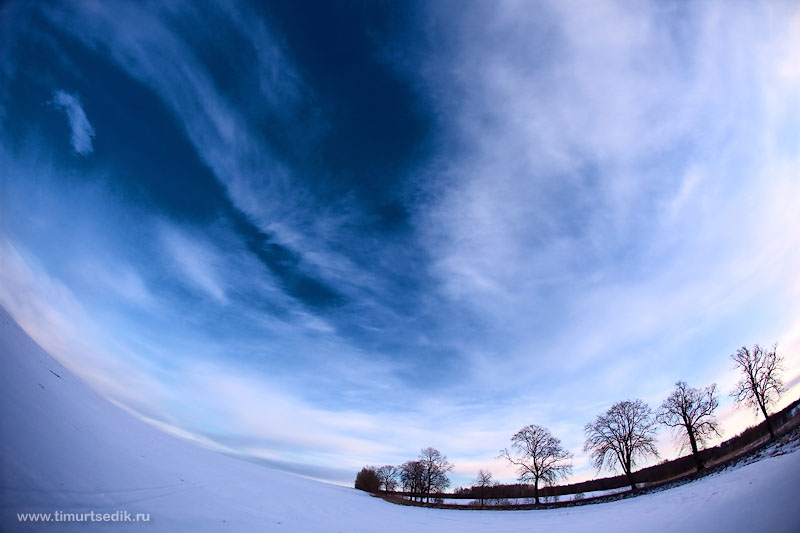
199	264
81	130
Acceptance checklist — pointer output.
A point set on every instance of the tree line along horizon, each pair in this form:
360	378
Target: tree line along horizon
619	438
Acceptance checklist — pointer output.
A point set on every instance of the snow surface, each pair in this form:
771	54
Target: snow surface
64	448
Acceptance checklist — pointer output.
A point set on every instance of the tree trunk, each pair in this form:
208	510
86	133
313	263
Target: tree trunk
769	422
428	488
629	474
695	452
536	490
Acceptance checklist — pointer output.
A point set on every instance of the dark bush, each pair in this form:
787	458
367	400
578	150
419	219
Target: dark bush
368	480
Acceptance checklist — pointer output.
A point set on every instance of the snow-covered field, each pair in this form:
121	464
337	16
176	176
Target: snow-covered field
66	449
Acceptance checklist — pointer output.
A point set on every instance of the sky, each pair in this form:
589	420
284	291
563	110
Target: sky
321	235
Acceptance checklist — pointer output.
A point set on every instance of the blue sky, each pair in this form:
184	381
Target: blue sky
322	235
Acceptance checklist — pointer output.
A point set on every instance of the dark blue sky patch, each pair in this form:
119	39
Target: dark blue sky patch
285	264
378	127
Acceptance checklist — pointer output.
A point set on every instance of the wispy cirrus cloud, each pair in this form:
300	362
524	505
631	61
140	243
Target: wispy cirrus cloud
328	239
198	264
155	52
613	158
81	129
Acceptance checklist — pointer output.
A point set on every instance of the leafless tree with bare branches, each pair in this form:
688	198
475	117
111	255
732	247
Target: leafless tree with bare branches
412	474
540	457
388	476
435	469
761	385
481	483
621	436
690	412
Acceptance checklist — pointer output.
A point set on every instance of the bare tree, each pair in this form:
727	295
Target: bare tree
690	412
435	471
388	476
541	457
411	477
481	483
621	436
761	385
